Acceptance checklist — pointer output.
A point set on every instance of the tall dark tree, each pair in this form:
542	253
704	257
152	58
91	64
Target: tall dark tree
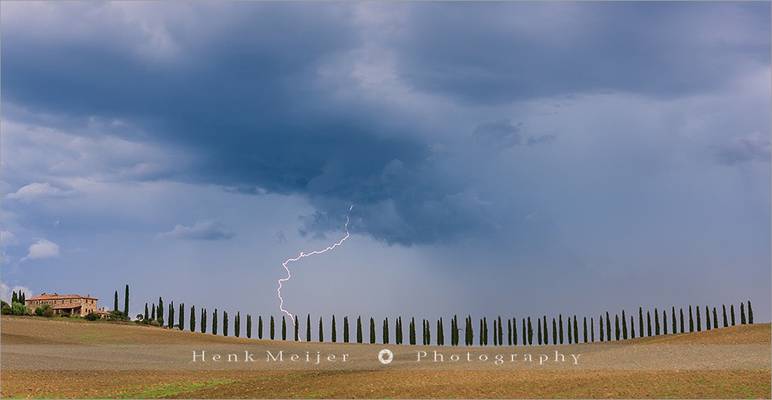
225	323
334	330
411	331
640	320
616	327
345	329
509	332
648	323
386	331
296	327
570	334
576	331
308	327
428	334
530	332
501	336
723	314
359	329
271	328
203	320
691	320
14	298
524	332
672	315
708	325
181	317
584	329
546	335
192	318
126	301
115	302
554	331
608	327
321	330
742	313
259	326
398	330
152	313
750	312
237	324
214	322
632	328
170	324
715	318
656	321
560	328
441	333
159	312
731	311
372	330
664	322
283	328
681	318
249	326
699	319
147	314
592	332
600	327
624	325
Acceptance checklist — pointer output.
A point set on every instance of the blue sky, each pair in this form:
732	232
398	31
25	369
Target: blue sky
592	156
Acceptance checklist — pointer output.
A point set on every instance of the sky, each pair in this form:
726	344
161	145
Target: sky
502	158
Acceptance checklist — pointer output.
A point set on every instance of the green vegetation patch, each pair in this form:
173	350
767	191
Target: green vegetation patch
172	389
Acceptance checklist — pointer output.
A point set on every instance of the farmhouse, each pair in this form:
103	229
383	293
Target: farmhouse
66	304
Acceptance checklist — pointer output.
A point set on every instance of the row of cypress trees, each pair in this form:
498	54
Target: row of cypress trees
658	323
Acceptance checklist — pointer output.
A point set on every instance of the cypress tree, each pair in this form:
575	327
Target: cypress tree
632	328
723	313
296	327
681	317
592	331
554	331
742	313
345	329
334	330
283	328
470	330
115	302
398	330
509	332
624	325
648	323
576	331
699	320
359	329
14	298
372	330
192	318
707	319
259	326
524	332
22	297
482	333
203	320
616	326
538	333
429	334
152	312
321	330
691	320
441	334
570	333
560	327
214	322
546	334
271	328
501	335
411	331
664	322
600	327
308	327
731	309
656	321
147	314
170	325
237	324
584	329
249	326
126	301
608	327
640	320
715	318
750	313
386	331
225	323
159	312
181	318
672	315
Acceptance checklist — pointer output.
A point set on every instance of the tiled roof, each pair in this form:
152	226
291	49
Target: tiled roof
56	296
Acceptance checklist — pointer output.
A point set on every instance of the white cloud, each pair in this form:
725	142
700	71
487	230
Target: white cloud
7	291
38	190
201	230
43	248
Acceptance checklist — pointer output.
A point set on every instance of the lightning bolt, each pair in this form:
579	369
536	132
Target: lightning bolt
302	255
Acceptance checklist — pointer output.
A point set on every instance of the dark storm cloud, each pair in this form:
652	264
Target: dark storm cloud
241	87
500	52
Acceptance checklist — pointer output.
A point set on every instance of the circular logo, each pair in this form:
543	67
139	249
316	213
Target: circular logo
385	356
